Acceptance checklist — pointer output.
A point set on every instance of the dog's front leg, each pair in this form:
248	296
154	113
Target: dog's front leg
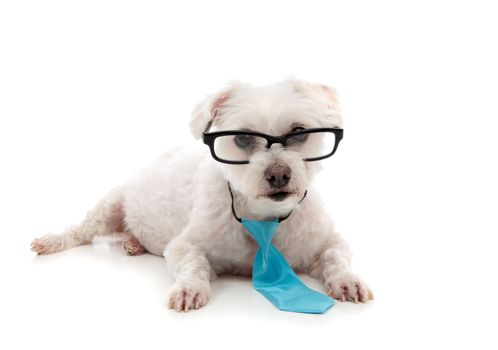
341	283
189	265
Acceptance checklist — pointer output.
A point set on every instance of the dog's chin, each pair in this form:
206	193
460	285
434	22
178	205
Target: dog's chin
275	204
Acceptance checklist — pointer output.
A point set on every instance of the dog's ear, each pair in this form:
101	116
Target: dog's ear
326	96
323	93
205	112
329	95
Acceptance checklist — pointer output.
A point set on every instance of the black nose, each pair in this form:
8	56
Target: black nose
278	175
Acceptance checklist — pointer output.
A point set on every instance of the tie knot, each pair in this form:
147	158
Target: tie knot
261	231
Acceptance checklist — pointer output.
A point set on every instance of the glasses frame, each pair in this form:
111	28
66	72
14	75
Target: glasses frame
209	139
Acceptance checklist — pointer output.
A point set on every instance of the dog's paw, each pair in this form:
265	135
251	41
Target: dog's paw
189	294
133	247
348	287
47	244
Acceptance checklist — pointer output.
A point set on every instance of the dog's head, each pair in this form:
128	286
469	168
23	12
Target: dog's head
275	178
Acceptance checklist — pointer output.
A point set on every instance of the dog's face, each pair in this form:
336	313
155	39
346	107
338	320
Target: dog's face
275	179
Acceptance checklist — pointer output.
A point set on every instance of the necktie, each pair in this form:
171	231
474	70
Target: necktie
274	278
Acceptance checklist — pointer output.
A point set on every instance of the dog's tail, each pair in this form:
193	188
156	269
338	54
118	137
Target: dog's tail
105	219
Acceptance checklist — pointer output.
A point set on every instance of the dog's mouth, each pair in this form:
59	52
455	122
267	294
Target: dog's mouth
279	196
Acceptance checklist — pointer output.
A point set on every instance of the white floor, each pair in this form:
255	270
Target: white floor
96	296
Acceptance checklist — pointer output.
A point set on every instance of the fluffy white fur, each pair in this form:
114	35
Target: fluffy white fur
180	206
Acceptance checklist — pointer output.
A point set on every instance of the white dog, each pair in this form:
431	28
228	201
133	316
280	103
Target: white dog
180	207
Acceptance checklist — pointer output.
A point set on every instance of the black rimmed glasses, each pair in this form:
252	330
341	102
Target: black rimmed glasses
238	146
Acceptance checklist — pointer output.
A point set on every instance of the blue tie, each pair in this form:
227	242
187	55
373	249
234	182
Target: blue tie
273	277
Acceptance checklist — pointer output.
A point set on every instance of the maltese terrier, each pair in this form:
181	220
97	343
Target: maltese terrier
266	143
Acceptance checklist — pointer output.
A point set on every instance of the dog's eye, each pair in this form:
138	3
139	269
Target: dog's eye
244	141
301	138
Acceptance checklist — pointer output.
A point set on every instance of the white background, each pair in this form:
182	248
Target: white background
91	91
